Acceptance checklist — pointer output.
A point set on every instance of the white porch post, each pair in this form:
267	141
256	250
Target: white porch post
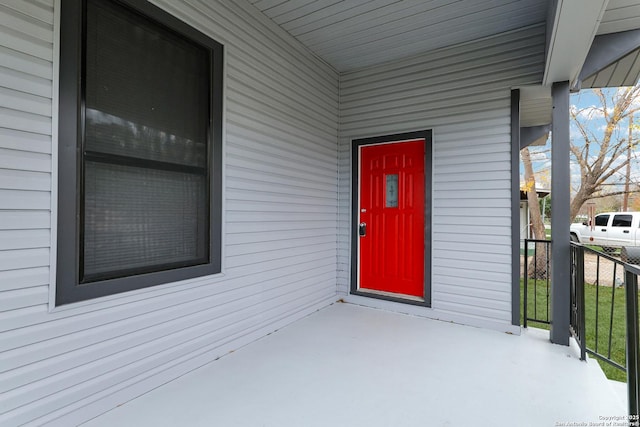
560	203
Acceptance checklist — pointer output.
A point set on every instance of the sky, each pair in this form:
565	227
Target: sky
590	114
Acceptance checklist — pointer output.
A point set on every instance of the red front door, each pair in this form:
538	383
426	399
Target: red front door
391	213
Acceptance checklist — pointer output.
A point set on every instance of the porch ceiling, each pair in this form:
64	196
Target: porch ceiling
620	15
623	72
355	34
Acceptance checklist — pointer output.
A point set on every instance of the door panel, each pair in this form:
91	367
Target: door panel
600	231
392	206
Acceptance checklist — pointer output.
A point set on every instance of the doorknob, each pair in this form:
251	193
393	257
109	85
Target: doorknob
362	229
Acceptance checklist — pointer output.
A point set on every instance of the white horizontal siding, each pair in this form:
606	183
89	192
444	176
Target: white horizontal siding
24	180
24	258
93	339
18	219
20	298
24	160
462	93
26	141
63	366
20	239
16	199
23	278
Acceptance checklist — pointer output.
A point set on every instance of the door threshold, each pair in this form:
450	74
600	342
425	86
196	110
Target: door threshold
365	291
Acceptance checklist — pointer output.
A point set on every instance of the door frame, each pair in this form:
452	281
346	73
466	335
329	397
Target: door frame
356	144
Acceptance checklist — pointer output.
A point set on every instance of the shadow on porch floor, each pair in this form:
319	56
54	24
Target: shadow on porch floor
348	365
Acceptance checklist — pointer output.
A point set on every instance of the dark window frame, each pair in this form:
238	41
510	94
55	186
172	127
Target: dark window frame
70	136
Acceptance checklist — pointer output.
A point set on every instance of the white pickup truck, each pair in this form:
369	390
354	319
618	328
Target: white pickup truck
610	230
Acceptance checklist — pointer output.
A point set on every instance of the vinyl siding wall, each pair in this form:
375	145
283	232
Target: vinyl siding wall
463	94
60	366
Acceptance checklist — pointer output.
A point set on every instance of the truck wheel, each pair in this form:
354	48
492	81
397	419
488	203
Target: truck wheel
574	238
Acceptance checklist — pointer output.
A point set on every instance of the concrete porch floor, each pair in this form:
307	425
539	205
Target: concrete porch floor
348	365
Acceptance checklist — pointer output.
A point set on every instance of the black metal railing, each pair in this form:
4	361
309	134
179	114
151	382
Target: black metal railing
604	317
632	350
593	323
536	281
577	299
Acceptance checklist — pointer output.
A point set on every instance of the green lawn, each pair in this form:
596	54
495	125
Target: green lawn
597	306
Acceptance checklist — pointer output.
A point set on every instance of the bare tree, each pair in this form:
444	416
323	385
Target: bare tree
601	156
627	175
537	265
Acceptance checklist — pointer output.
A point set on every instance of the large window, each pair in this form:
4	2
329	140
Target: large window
140	149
